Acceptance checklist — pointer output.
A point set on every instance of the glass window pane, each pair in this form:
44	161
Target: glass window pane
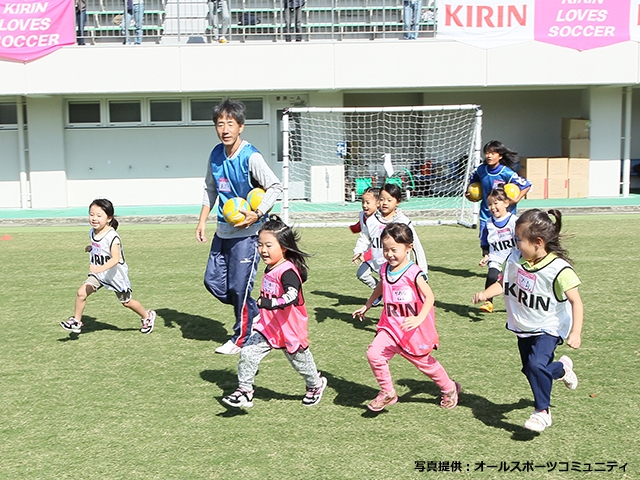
201	109
124	112
254	109
166	110
8	114
84	112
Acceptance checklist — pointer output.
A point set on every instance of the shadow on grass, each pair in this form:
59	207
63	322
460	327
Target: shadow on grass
342	299
465	311
90	324
455	272
194	327
489	413
321	314
227	381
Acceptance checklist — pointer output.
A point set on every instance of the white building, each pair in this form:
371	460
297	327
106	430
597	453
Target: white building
132	123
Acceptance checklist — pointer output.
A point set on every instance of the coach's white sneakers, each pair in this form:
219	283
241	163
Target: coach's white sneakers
570	378
228	348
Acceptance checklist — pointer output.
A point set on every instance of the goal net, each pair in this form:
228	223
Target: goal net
332	155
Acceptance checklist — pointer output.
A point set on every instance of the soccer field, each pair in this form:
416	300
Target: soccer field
112	403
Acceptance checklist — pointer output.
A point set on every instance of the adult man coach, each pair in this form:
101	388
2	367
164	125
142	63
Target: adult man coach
235	168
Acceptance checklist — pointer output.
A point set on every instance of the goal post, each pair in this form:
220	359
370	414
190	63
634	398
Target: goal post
332	155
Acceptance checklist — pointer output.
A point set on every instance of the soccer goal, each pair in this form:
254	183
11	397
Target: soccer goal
332	155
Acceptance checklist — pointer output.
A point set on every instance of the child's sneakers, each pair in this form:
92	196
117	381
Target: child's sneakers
486	307
382	400
149	322
450	399
539	420
570	378
314	394
239	399
71	325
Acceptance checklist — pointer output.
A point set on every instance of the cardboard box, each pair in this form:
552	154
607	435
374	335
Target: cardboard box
538	190
575	148
557	178
575	128
533	167
578	187
557	188
579	168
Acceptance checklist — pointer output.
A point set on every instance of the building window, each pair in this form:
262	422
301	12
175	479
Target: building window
8	114
254	108
201	109
124	112
165	110
84	112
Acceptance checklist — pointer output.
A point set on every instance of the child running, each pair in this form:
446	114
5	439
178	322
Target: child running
544	307
370	237
107	268
407	326
497	168
501	238
283	316
370	200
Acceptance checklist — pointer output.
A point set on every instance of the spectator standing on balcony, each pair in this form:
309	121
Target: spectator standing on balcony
411	15
215	7
81	20
295	7
135	8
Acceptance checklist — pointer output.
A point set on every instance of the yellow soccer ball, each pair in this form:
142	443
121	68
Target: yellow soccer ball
474	192
231	210
512	190
255	197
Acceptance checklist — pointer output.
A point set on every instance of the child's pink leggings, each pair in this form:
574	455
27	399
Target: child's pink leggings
384	348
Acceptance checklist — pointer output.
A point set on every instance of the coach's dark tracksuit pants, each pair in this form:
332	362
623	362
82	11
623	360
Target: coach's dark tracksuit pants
230	273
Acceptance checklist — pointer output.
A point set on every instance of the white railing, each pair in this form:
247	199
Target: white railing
190	21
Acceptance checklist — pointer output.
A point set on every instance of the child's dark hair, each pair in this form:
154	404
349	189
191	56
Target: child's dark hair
107	206
509	156
233	108
498	193
288	240
375	191
536	223
394	190
399	232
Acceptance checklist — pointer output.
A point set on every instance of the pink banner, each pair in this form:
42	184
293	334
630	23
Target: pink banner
30	30
582	24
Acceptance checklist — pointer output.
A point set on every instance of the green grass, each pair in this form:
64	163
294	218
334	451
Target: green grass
112	403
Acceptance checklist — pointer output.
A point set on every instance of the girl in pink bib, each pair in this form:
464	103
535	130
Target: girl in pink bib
283	316
407	326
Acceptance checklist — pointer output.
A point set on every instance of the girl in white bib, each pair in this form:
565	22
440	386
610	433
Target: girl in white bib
544	307
107	268
501	239
407	325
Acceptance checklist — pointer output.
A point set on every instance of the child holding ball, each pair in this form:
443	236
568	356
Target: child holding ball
407	325
283	316
544	307
107	268
497	168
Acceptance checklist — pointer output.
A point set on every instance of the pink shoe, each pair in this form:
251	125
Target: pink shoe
382	400
450	399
